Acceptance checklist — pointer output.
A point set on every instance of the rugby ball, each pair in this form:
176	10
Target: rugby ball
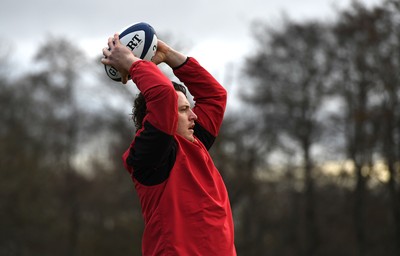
141	39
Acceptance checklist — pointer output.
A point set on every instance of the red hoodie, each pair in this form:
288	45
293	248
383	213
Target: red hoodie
184	201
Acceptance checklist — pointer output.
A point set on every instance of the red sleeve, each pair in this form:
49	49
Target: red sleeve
209	95
161	99
148	158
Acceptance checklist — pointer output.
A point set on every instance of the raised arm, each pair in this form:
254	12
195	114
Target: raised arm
160	96
148	158
209	95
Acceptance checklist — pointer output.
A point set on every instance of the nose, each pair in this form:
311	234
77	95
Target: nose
192	115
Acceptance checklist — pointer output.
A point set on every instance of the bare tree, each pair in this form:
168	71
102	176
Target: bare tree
290	72
368	54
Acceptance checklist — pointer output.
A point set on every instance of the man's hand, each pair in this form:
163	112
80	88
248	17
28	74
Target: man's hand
161	53
168	55
119	56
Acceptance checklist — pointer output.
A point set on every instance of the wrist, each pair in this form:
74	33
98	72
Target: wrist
174	58
129	62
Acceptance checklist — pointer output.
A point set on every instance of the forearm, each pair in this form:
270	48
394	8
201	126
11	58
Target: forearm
201	84
146	75
209	95
160	95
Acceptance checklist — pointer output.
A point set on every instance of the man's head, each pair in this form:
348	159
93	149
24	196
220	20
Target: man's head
186	116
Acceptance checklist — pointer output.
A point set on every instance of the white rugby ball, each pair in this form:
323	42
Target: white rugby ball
141	38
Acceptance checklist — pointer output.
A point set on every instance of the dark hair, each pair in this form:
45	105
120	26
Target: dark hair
139	106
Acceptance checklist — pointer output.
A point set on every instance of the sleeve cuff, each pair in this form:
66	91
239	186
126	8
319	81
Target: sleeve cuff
187	59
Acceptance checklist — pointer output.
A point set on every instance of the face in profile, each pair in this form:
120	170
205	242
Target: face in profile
186	118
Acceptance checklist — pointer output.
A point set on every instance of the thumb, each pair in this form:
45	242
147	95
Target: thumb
157	59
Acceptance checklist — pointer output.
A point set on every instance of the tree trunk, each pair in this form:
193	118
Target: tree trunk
310	220
359	211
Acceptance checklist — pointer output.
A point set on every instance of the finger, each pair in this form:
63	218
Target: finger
105	61
111	42
155	60
125	79
160	42
116	38
106	52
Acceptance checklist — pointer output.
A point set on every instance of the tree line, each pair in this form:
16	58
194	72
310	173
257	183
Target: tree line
312	168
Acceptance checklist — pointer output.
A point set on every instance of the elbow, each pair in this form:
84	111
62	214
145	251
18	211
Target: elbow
223	94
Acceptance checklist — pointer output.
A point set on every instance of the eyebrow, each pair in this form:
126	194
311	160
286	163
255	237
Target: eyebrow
185	103
184	106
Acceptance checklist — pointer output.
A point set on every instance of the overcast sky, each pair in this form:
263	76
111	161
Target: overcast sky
212	28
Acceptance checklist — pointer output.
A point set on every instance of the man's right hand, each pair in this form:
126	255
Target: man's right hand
119	56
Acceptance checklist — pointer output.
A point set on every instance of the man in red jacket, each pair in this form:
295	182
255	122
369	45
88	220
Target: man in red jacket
184	201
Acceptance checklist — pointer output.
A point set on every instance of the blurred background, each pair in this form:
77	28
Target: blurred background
309	148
